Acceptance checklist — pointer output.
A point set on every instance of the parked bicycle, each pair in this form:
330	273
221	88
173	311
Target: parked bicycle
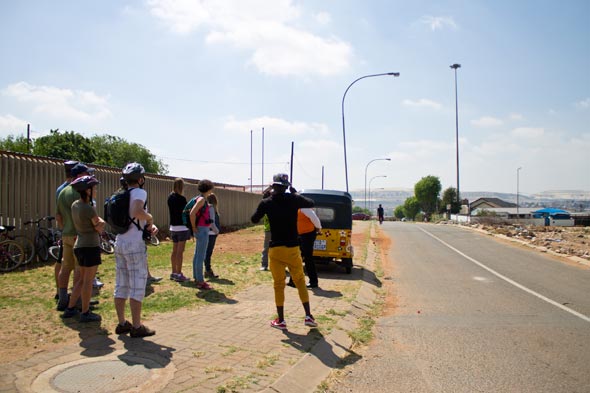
45	237
7	233
11	255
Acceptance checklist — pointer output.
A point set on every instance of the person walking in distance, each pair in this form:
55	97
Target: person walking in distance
131	256
213	232
86	248
380	213
200	223
281	209
178	231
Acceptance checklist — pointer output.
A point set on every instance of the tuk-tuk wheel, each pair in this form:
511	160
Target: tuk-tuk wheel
347	265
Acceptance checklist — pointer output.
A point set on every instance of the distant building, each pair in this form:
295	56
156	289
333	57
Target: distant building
489	203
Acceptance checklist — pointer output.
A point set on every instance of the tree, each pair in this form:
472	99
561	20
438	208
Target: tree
411	207
426	192
116	152
67	145
17	144
449	197
398	212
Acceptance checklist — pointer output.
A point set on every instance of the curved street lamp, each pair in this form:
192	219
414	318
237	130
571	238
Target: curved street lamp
396	74
366	167
373	178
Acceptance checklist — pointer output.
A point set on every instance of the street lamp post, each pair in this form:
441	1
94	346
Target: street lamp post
366	167
373	178
517	196
395	74
455	66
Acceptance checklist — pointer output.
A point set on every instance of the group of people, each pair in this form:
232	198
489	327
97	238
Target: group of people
291	223
203	225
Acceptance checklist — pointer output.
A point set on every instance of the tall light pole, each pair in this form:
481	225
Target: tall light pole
366	167
396	74
455	66
373	178
517	187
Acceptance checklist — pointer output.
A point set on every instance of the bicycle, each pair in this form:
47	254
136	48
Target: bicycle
7	233
45	237
107	242
11	255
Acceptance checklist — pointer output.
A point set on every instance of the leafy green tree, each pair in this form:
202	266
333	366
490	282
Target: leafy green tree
66	145
411	207
398	212
449	197
116	152
358	209
426	192
17	144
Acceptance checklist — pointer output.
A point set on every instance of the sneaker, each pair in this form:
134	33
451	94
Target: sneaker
312	286
309	321
70	312
263	269
96	283
174	276
210	274
182	278
152	279
142	331
90	317
61	306
291	284
204	285
56	297
281	325
123	329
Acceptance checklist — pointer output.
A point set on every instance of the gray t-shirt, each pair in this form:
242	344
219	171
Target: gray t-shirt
82	215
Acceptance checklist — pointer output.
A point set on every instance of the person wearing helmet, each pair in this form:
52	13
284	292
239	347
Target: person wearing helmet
68	165
131	256
68	235
86	247
281	209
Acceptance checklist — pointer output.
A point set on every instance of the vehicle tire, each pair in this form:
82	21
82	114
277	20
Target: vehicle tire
11	255
106	245
28	247
347	265
42	248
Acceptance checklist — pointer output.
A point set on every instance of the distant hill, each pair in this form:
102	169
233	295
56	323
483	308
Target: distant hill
572	200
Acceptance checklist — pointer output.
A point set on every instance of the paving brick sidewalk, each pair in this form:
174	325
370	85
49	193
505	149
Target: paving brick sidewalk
219	348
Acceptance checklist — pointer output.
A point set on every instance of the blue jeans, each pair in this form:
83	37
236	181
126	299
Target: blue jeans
202	238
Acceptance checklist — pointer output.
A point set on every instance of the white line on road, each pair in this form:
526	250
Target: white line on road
553	302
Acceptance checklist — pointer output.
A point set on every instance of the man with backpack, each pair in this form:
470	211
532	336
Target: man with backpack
130	249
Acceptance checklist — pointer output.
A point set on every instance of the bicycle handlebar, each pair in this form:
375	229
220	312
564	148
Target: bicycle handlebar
38	221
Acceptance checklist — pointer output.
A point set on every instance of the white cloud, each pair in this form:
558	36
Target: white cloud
12	125
262	27
438	22
528	132
487	121
275	125
516	116
422	103
60	103
323	18
584	104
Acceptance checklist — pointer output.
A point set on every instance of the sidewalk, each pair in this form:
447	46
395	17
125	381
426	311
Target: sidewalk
219	348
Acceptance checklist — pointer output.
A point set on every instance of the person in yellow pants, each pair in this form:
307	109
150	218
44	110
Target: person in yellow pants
281	209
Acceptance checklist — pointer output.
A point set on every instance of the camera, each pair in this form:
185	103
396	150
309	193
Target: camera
146	235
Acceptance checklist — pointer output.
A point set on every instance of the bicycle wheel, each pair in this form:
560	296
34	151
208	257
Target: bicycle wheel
106	245
42	247
28	247
11	255
154	241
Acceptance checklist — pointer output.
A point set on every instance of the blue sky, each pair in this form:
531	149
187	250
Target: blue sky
190	79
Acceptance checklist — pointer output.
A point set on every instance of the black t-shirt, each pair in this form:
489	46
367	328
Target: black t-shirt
281	210
176	204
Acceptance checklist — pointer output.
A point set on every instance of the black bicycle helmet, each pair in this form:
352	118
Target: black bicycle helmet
84	182
133	171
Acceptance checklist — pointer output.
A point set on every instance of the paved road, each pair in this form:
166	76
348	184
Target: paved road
477	315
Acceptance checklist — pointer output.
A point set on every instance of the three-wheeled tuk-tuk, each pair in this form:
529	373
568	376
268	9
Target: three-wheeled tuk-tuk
334	243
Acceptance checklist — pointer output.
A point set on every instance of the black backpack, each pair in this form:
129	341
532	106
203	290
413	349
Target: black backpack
116	212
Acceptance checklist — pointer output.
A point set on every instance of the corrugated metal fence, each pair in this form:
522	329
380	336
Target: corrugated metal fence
28	184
